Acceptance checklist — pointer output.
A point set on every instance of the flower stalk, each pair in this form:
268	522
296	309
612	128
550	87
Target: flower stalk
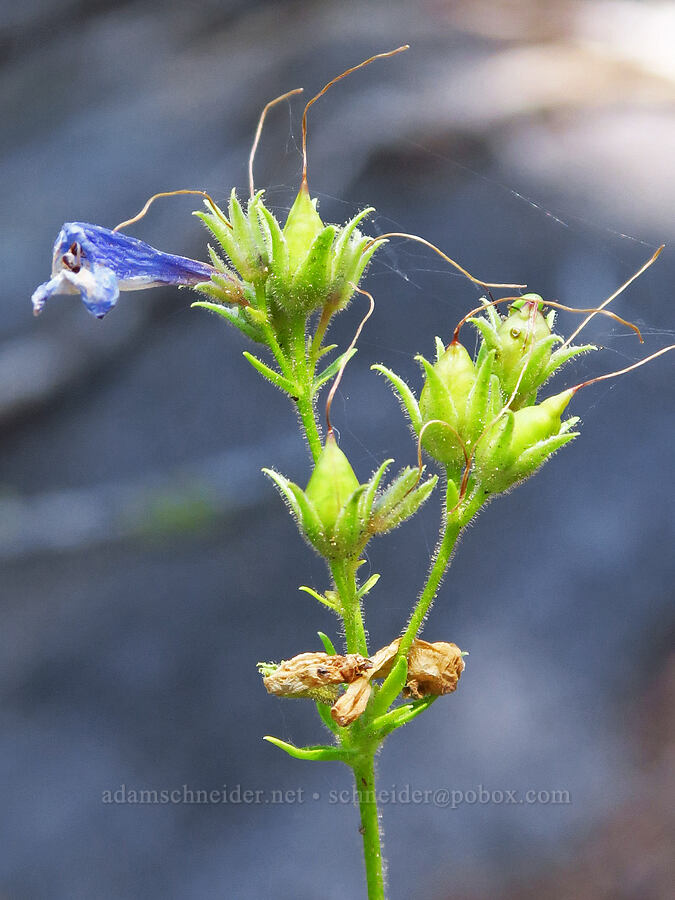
479	418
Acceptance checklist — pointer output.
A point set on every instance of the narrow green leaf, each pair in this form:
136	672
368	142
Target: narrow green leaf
497	399
311	523
344	237
391	687
232	315
436	396
407	507
402	715
258	225
368	497
302	508
326	349
440	348
348	525
477	401
328	645
240	223
222	234
535	456
331	370
560	357
535	363
284	487
406	396
311	280
488	333
317	752
279	249
325	716
367	586
276	378
320	597
217	261
396	491
492	313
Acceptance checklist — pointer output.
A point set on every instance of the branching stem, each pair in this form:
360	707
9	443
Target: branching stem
452	528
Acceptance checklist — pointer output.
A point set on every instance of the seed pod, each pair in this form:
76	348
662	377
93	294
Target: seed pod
520	442
302	226
536	423
524	342
332	483
444	400
456	370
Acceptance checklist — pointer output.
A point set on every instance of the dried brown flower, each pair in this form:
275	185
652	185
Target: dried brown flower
353	702
432	668
314	675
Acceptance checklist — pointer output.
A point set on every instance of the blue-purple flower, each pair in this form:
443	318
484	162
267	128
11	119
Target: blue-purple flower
98	263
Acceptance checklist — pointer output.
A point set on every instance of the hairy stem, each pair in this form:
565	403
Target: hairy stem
350	607
303	369
364	773
308	419
344	576
453	524
319	334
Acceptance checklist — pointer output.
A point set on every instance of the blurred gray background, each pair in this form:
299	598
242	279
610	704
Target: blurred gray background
146	563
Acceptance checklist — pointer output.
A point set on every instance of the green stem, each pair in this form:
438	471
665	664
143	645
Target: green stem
319	334
452	527
364	773
350	607
303	364
270	336
303	369
305	408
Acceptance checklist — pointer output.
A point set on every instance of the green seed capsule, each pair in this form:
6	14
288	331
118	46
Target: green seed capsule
456	370
517	333
332	483
536	423
444	398
302	226
523	340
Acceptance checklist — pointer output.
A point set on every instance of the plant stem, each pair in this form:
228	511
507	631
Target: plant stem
364	773
350	607
321	328
270	336
303	370
344	575
306	412
452	527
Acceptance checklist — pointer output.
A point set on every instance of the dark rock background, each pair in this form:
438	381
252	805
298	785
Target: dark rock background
147	565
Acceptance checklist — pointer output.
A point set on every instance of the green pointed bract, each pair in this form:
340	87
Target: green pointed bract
311	283
302	227
332	483
285	274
